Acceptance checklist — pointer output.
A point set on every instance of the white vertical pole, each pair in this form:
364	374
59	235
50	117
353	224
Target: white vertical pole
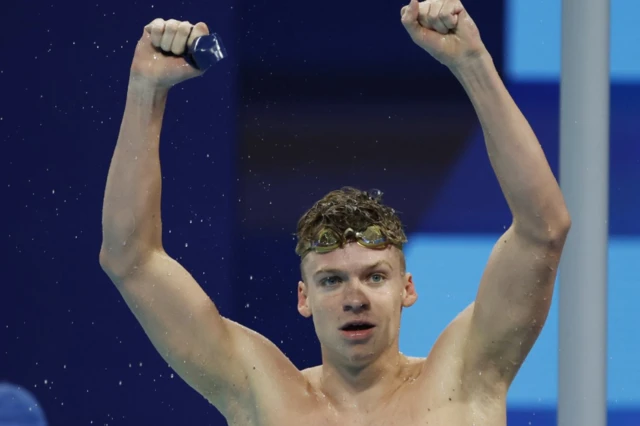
584	178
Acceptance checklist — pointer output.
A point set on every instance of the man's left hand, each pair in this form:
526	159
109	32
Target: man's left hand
444	29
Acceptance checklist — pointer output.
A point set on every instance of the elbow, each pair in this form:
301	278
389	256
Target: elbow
105	259
561	225
118	264
558	228
551	230
566	221
112	265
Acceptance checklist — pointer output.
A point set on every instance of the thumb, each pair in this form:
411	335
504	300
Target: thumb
409	16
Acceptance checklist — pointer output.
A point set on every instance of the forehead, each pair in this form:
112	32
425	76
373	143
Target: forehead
352	257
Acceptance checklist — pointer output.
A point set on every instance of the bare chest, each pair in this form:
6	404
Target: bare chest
406	410
396	415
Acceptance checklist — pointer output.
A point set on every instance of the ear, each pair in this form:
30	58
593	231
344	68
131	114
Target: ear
409	295
303	300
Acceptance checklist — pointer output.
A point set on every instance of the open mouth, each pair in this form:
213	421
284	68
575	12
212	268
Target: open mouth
357	326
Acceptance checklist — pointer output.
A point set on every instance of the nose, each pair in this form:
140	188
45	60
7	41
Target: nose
356	308
355	301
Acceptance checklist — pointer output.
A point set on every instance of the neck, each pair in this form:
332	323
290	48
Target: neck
362	387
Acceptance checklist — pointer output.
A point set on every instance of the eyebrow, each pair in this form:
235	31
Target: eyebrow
338	271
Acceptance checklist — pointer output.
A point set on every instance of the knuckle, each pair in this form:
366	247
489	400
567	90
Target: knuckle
172	25
157	24
184	28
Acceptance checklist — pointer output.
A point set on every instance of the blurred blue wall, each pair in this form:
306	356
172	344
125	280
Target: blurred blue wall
313	97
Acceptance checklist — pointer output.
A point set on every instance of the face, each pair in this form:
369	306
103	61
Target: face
355	296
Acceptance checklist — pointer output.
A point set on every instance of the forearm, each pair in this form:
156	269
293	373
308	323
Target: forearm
131	219
529	186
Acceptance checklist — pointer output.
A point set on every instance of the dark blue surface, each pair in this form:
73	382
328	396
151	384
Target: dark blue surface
622	417
540	104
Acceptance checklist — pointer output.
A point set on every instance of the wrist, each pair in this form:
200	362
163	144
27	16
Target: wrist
143	86
144	91
472	66
476	73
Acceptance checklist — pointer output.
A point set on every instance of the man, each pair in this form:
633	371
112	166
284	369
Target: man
354	283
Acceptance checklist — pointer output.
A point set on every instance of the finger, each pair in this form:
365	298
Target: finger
180	40
155	29
409	15
170	29
449	14
433	17
199	30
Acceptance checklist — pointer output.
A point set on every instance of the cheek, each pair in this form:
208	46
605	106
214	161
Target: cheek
392	302
392	294
326	307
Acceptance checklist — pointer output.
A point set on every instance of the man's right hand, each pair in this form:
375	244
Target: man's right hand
158	59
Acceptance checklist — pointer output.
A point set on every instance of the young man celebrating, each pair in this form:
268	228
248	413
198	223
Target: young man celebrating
354	281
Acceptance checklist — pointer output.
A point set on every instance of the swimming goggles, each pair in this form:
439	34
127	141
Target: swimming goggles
328	240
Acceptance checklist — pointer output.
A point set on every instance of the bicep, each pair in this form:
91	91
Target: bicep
183	324
511	305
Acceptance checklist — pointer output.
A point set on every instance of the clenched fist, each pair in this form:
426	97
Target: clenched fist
444	29
158	57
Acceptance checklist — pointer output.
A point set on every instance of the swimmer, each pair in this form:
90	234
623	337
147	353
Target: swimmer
354	284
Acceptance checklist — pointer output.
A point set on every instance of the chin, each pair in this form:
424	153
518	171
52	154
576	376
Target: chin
359	357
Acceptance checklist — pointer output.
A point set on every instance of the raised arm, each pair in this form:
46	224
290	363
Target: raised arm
515	292
219	358
516	288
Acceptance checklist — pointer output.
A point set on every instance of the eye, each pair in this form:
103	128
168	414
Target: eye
330	281
377	278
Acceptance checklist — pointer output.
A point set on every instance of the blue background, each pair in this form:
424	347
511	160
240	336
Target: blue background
314	96
536	27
